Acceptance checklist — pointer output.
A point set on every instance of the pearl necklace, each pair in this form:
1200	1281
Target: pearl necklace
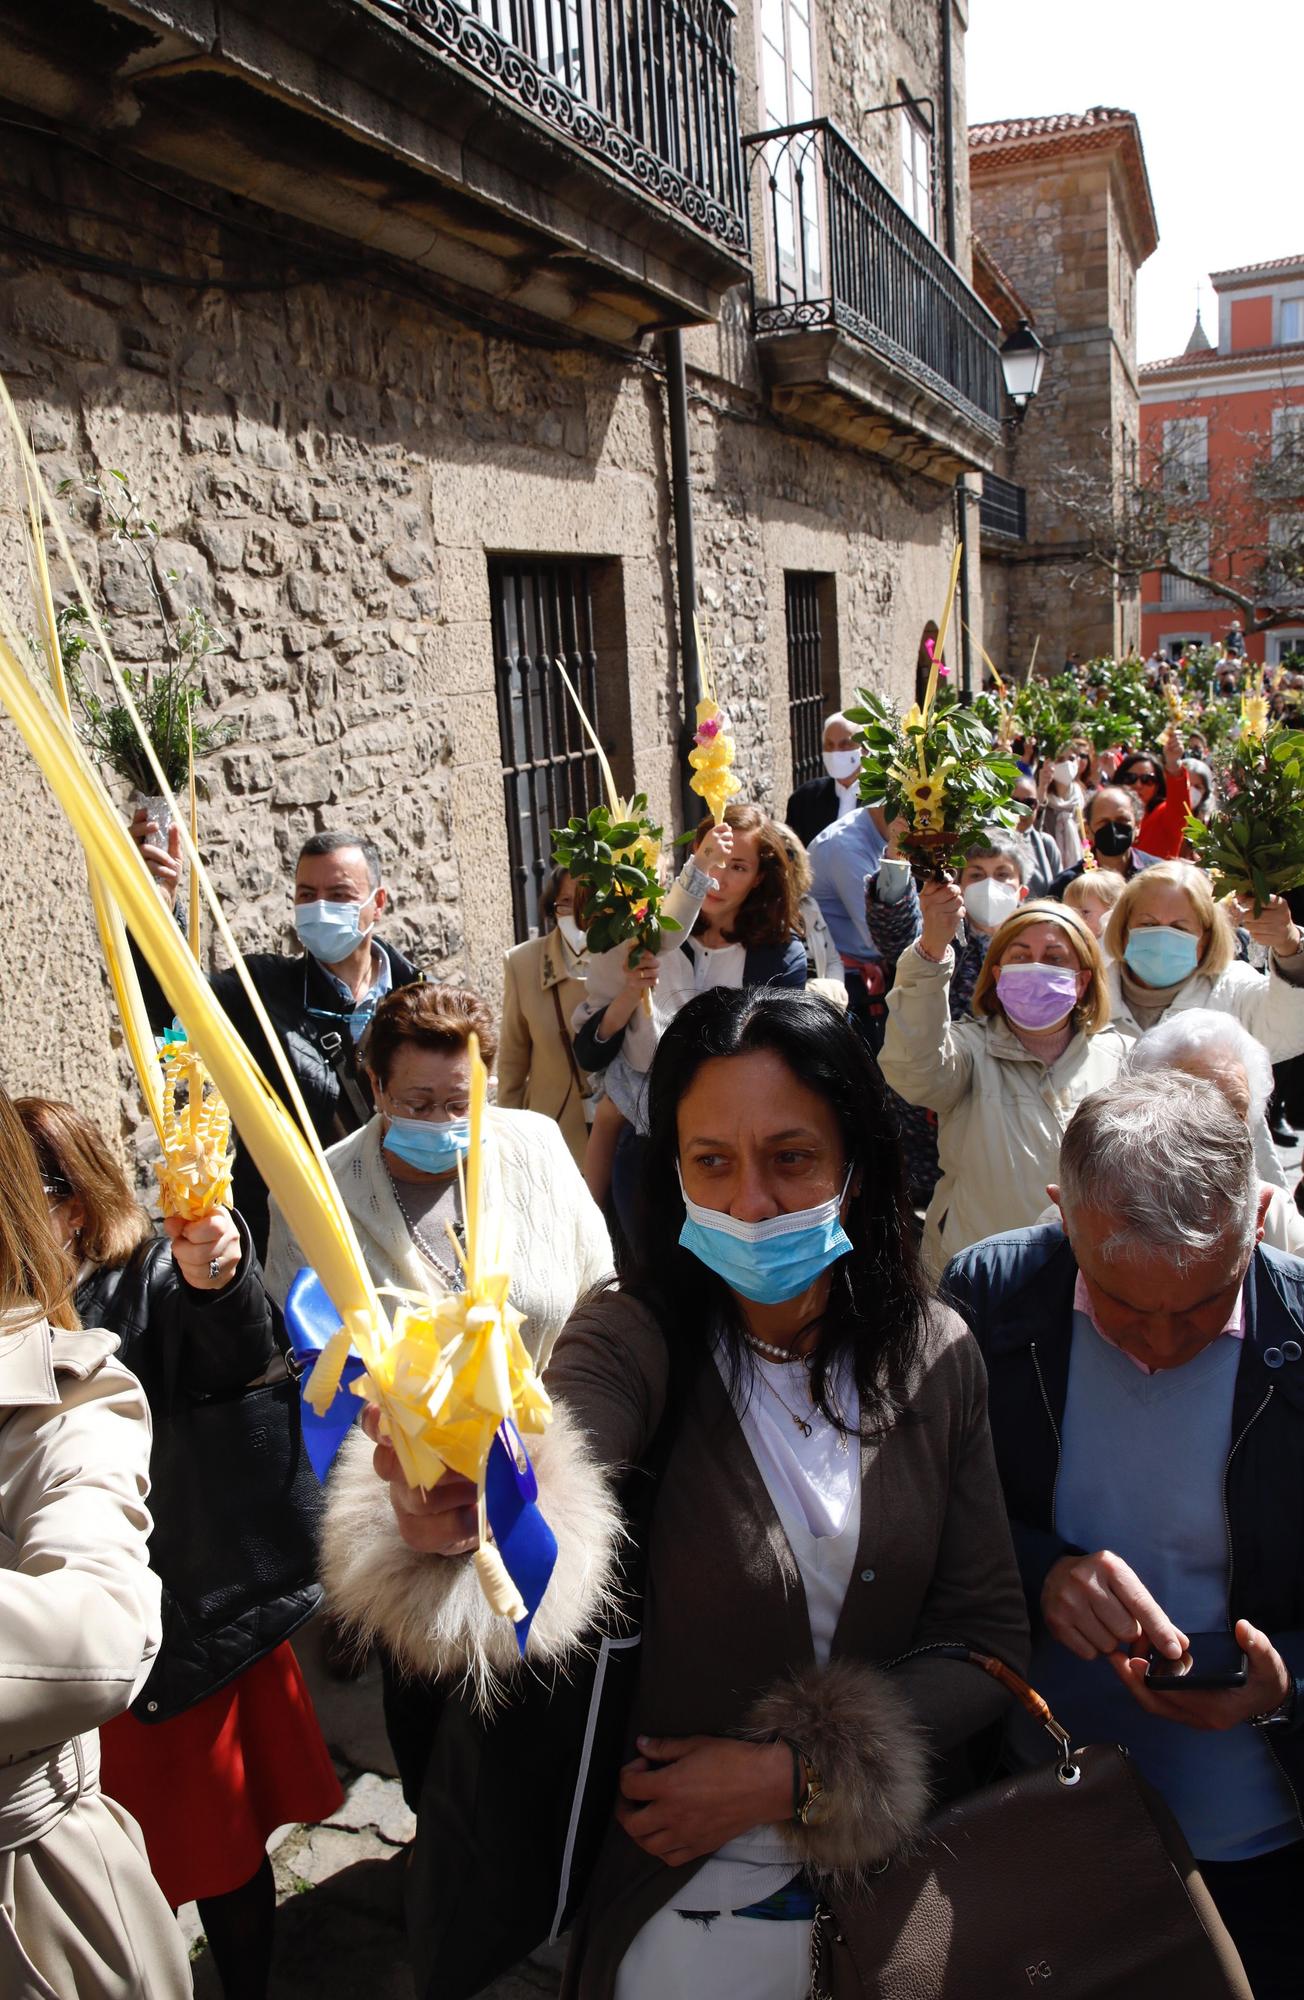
770	1352
424	1249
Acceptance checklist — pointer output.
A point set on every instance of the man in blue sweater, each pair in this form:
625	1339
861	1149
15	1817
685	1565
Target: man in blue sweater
1146	1367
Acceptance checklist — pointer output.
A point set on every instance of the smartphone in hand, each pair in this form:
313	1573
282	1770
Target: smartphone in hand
1211	1660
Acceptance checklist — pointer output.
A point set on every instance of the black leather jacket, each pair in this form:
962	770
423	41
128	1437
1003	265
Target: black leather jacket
232	1543
304	1006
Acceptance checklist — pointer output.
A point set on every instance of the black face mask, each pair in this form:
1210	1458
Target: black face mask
1112	838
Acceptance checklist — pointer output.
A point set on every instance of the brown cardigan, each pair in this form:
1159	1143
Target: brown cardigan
726	1638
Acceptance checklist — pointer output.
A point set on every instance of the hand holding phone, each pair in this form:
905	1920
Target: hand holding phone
1211	1660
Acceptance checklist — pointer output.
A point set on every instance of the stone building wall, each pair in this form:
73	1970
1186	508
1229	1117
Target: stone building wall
330	469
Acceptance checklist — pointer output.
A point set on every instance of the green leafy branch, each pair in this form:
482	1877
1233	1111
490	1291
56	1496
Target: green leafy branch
615	863
1254	843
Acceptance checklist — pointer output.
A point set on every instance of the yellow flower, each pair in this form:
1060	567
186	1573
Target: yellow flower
1254	716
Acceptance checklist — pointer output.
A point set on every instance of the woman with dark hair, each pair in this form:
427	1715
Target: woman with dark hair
740	912
1162	790
827	1501
221	1746
543	984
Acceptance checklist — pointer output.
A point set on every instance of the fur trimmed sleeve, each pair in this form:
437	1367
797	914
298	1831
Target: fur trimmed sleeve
861	1735
429	1611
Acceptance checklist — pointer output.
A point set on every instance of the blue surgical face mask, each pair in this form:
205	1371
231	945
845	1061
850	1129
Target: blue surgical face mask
768	1262
331	932
1161	955
435	1149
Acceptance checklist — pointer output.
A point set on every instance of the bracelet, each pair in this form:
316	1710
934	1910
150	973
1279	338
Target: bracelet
927	955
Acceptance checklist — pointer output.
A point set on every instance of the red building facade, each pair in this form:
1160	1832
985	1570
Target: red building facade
1222	428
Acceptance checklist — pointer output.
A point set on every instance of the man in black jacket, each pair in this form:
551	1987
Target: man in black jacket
820	801
1146	1386
319	1003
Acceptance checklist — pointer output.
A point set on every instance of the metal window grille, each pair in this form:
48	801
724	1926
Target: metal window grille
542	612
1003	508
805	674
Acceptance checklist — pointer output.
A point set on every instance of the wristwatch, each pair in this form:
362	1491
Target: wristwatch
810	1801
1280	1717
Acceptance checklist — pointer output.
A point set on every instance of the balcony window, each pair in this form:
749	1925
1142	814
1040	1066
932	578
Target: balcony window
917	169
788	99
1190	548
883	338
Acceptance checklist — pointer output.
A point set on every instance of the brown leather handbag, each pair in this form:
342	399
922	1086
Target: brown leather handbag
1070	1880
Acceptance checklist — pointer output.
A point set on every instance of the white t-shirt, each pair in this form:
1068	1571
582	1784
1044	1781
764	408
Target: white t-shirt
721	965
814	1486
848	799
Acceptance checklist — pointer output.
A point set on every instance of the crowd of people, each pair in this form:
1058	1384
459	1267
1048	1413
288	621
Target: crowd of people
911	1266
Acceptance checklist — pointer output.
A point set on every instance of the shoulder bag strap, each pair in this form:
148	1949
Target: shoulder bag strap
576	1080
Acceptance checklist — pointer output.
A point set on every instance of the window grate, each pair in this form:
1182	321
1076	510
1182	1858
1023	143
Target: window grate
542	612
805	674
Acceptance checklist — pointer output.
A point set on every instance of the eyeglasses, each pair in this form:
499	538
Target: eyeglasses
1135	778
57	1189
426	1108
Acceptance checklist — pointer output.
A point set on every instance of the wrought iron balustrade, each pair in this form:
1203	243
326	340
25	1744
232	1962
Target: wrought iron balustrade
841	252
1003	508
647	86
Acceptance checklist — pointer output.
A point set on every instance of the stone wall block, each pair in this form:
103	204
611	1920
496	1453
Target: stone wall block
305	781
39	311
269	719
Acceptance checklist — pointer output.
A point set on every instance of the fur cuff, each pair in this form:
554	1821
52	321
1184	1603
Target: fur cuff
862	1737
429	1611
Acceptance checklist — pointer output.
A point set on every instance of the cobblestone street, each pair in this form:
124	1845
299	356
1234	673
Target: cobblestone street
340	1885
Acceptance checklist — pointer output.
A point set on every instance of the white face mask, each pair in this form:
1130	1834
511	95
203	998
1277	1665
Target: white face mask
1065	771
842	764
572	933
991	901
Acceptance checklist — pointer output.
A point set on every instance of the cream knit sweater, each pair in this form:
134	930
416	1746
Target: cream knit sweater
554	1242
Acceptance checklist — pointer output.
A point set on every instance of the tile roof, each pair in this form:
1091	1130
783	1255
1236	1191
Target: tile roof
1246	357
1008	131
1257	270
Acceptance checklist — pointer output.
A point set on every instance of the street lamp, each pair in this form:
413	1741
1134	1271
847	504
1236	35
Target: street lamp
1022	359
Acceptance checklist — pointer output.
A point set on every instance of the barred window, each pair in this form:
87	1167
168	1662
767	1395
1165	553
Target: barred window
810	612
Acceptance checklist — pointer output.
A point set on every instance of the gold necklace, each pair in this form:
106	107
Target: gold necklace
804	1425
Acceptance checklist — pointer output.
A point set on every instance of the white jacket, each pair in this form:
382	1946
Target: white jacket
1268	1003
79	1628
554	1241
1001	1112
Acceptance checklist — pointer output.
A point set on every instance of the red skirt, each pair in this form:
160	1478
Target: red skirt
210	1785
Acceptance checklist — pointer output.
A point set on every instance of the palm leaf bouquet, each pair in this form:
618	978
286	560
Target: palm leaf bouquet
1253	845
942	772
613	855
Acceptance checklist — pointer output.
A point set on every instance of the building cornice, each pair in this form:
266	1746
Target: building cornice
1017	142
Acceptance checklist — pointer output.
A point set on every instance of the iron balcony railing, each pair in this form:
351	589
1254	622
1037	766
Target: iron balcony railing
842	252
1003	508
649	87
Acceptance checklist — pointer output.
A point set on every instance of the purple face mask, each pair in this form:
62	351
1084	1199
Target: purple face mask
1037	996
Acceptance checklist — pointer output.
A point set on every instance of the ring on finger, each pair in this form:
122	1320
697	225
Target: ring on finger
214	1267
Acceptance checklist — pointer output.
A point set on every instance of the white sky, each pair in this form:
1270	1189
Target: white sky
1218	92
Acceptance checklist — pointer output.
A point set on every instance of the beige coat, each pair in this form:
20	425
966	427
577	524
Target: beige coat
535	1072
555	1243
80	1913
1001	1112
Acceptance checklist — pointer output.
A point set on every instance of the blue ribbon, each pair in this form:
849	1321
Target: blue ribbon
523	1538
312	1321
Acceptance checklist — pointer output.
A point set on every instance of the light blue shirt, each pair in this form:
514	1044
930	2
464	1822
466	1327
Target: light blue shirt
840	859
382	980
1142	1463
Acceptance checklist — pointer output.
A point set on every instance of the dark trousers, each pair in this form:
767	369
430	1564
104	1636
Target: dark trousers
1262	1904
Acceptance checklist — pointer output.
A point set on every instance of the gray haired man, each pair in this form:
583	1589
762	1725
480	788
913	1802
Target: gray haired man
1146	1367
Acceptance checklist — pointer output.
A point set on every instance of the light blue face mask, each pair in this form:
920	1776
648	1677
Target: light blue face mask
771	1261
1161	955
435	1149
331	932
